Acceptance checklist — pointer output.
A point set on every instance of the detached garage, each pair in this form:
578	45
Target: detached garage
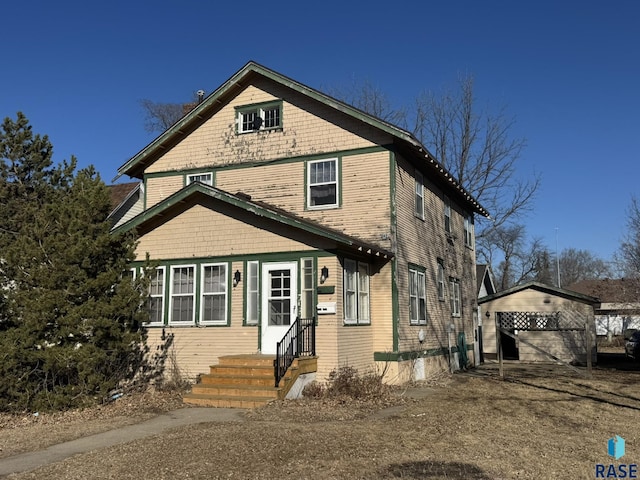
539	323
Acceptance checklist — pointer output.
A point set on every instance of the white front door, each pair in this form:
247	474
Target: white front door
279	302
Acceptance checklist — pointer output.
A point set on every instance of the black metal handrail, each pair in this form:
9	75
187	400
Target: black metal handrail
299	341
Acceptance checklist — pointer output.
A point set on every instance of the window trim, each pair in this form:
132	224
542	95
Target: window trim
201	295
162	296
419	196
469	230
420	278
248	291
447	215
456	299
308	184
441	284
357	294
304	270
259	109
188	178
172	270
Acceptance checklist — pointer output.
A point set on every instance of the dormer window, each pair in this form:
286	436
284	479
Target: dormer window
253	118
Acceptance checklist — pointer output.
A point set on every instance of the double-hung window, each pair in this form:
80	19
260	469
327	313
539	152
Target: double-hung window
356	292
307	304
252	286
468	230
440	279
322	183
447	215
182	297
259	117
206	178
214	283
454	284
156	297
419	210
417	296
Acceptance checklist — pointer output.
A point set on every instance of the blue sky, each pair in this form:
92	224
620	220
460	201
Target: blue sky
569	72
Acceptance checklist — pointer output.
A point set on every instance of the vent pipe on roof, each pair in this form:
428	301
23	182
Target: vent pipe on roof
200	95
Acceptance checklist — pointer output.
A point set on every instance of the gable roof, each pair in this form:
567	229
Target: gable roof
121	192
610	290
259	209
135	166
541	287
484	277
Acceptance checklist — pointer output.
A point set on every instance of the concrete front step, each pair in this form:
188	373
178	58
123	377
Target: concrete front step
244	381
247	360
225	402
237	390
238	379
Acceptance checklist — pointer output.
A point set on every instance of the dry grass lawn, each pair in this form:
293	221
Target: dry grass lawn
540	423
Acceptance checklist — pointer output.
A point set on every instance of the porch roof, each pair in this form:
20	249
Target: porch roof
259	209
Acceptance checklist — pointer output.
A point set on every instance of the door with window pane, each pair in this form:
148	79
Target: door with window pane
279	302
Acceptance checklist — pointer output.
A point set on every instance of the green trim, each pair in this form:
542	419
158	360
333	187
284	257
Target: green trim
262	257
414	354
214	193
395	305
144	194
415	266
326	289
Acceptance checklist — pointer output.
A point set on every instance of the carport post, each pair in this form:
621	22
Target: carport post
587	336
499	347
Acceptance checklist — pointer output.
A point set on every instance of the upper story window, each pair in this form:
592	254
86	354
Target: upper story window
206	178
419	210
468	230
440	279
447	215
254	118
322	183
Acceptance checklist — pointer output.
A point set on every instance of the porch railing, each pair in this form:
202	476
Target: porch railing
299	341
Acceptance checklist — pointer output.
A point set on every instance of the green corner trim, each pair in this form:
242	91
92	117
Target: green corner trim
412	355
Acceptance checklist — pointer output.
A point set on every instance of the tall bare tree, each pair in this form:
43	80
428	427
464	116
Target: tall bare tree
577	265
160	116
628	255
475	145
478	147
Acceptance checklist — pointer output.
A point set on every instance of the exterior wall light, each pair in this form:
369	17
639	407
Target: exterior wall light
324	274
236	278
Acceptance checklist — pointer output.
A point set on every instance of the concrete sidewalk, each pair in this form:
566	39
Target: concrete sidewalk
177	418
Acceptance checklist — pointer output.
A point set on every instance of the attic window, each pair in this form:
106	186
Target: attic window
254	118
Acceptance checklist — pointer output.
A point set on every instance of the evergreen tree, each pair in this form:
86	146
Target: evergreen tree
70	320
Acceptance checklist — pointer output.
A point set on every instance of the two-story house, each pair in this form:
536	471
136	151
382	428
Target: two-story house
271	201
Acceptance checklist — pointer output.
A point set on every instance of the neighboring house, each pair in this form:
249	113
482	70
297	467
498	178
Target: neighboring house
270	201
126	201
485	287
619	303
545	320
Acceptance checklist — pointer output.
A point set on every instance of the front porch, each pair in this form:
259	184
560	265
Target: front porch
247	381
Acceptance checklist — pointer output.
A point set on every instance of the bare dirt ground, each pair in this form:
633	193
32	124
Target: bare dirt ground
542	422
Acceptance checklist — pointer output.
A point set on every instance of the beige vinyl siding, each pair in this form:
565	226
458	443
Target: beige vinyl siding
364	211
422	242
308	128
202	232
159	188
